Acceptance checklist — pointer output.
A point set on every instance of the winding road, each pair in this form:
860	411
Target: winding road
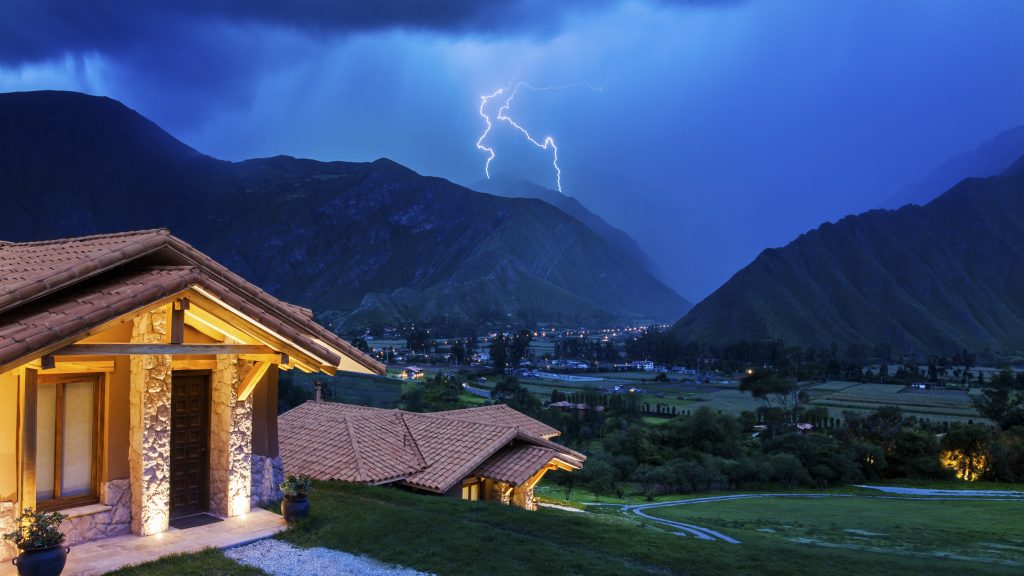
892	493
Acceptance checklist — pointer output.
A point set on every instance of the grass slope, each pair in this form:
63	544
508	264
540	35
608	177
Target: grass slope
450	537
876	535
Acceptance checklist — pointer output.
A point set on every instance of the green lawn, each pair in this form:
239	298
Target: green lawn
207	563
935	537
452	537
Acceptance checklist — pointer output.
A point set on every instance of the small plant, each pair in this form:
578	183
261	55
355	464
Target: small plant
297	486
37	530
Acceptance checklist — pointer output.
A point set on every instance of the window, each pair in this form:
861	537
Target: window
471	491
67	440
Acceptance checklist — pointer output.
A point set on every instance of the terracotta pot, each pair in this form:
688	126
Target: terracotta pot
43	561
295	508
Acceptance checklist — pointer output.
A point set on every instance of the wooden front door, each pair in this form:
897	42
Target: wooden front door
190	439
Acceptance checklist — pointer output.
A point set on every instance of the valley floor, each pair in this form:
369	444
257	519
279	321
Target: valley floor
822	536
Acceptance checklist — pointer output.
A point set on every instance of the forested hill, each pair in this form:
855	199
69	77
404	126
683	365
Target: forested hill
931	279
361	243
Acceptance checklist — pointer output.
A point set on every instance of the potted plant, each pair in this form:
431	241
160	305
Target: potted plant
41	543
295	505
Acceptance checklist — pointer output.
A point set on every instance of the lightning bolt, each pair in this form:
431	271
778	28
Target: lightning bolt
503	115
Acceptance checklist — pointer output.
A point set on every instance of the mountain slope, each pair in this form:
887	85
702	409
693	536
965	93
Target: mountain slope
988	159
358	242
922	279
520	188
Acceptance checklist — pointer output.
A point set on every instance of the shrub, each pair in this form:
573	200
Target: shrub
37	530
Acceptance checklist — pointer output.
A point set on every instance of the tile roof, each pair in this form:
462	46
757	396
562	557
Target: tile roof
332	441
502	415
517	464
91	278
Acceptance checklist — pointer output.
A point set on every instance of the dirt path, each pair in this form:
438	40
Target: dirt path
897	493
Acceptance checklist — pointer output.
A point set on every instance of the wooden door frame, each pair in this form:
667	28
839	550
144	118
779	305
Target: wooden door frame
204	494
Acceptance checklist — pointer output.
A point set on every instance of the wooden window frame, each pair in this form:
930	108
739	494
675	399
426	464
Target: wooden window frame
99	386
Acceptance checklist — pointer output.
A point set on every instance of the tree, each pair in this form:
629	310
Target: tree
499	353
915	454
1002	401
519	347
516	396
772	389
966	450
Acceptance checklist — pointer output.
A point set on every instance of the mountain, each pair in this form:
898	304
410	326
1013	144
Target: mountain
989	159
929	279
361	243
511	187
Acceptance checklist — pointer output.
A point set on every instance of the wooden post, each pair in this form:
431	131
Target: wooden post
28	439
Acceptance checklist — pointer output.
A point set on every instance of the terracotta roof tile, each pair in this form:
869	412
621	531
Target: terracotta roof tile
516	465
332	441
502	415
30	271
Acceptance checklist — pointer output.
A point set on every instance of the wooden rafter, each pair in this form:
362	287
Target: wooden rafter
248	383
174	349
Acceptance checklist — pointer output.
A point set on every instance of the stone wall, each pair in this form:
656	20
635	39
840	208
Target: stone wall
267	476
8	512
150	427
113	519
230	439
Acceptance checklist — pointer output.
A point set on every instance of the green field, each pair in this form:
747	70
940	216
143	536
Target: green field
826	537
987	534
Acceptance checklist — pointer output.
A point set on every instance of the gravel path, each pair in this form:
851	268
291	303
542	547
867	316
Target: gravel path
282	559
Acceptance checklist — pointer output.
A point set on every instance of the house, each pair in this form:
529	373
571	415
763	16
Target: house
486	453
412	373
138	383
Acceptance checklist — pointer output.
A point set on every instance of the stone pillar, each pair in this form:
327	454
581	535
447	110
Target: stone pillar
149	442
230	439
8	512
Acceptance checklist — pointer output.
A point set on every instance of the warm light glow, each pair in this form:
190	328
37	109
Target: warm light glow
964	468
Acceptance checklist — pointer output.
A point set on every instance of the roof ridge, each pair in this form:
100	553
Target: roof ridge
355	450
162	231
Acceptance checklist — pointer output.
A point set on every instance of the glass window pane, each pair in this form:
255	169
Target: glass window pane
76	472
46	430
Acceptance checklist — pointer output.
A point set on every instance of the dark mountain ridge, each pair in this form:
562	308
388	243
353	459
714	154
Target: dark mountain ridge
362	243
931	279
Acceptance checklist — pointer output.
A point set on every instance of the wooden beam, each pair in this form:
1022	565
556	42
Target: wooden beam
193	364
177	325
47	362
174	349
248	383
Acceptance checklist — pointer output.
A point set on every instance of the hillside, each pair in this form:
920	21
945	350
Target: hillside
361	243
926	279
511	187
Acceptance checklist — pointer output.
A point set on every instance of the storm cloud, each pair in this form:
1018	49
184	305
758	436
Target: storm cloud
723	128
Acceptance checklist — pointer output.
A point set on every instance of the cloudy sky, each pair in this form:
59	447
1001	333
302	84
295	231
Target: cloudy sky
709	130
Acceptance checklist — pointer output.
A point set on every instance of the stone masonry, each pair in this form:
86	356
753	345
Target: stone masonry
230	440
8	512
150	427
267	476
113	518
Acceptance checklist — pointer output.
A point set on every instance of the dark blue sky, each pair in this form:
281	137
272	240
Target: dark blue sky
721	127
